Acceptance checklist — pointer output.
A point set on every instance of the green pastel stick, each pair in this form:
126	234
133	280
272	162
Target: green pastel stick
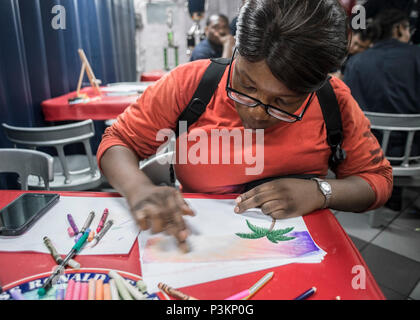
141	286
119	281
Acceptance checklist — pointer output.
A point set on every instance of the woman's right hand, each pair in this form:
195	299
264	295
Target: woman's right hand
161	209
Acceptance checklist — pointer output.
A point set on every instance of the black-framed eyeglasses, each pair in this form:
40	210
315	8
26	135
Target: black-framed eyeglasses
251	102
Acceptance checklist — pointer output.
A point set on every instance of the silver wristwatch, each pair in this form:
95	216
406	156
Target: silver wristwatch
325	189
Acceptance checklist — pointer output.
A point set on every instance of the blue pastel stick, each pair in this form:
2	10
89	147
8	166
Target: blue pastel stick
61	292
17	294
306	294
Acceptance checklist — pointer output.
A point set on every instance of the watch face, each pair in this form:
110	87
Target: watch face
326	187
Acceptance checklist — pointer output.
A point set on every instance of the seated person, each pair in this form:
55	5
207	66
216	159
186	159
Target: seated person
218	43
361	40
234	21
268	89
410	7
386	78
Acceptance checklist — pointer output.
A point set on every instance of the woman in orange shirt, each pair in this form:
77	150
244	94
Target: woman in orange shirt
265	101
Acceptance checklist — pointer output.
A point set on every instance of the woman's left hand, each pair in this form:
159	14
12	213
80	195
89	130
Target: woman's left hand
283	198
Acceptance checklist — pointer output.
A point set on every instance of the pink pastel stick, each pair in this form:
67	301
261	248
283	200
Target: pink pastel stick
76	290
69	290
240	295
92	289
84	292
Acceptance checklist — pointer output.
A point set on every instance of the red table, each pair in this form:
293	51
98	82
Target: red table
108	107
332	277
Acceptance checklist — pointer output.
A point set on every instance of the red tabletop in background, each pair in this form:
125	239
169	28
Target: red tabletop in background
332	277
108	107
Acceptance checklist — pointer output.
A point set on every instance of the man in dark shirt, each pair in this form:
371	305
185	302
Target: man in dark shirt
410	7
218	43
386	77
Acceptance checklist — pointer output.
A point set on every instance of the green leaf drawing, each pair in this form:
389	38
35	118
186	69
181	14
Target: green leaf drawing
249	235
258	230
274	236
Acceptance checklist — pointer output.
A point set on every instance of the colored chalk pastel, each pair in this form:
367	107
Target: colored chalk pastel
119	281
84	291
107	292
91	236
99	290
16	294
70	232
73	264
141	285
76	290
92	287
114	290
72	224
78	237
70	289
60	293
137	295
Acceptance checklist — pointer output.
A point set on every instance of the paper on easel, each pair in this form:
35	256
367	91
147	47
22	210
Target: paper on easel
225	244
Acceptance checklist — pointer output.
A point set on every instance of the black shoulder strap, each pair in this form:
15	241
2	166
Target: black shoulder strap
204	92
332	117
201	98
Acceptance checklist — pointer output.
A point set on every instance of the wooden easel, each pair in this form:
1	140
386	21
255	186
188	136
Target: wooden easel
88	69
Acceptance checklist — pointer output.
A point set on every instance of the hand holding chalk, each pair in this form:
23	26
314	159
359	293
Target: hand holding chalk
162	209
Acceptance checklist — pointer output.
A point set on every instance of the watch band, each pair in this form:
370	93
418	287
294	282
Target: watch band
325	189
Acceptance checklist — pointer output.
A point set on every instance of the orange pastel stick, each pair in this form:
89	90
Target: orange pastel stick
99	290
107	292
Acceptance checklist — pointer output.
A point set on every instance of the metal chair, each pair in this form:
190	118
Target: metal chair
26	162
71	172
406	168
157	167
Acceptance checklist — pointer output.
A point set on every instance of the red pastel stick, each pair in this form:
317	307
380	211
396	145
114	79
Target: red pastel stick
102	221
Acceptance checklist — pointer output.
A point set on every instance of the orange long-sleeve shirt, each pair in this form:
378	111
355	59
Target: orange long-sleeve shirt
288	148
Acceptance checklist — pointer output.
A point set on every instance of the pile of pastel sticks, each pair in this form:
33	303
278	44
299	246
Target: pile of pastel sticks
117	288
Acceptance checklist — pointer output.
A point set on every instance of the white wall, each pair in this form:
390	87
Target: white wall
152	37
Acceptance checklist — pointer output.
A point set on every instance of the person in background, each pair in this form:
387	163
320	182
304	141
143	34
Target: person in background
410	7
234	21
219	42
361	40
386	78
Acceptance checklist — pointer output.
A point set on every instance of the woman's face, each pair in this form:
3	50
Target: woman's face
256	80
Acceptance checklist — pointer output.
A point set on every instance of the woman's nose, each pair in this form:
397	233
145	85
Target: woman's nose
258	113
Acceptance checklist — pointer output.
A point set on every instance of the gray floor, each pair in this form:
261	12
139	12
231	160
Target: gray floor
391	251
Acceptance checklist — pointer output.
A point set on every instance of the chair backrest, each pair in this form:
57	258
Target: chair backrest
387	123
157	168
57	137
26	162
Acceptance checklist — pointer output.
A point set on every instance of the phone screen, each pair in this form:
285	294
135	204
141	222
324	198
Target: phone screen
23	211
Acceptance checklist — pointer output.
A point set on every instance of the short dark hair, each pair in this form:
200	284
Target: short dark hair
385	21
219	15
301	40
